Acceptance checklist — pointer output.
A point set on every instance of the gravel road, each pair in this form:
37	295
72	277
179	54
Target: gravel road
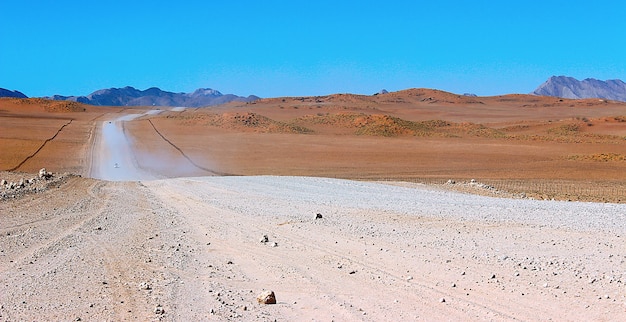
189	249
113	155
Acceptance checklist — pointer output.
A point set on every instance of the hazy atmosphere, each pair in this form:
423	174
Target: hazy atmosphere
286	48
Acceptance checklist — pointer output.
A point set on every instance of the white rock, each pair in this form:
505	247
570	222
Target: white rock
266	297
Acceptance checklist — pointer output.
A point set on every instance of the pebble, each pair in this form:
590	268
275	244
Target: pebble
266	297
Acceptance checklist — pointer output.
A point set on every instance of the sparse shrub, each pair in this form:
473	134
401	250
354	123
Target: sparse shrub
565	129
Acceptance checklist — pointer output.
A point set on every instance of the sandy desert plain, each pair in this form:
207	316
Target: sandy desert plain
433	206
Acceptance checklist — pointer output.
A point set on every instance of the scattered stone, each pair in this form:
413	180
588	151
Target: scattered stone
3	182
266	297
318	216
264	239
352	272
451	181
145	286
159	310
274	244
453	285
442	300
409	278
43	174
493	276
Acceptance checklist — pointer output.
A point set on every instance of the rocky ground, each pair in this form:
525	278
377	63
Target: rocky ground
205	248
17	184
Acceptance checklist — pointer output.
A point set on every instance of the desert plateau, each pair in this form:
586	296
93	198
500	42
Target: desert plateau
410	205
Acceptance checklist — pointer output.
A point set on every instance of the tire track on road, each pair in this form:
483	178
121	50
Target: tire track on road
185	155
41	147
65	224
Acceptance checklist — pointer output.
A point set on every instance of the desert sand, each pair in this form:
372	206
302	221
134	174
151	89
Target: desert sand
347	207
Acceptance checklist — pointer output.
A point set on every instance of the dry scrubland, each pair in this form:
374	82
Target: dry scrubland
534	146
384	248
539	147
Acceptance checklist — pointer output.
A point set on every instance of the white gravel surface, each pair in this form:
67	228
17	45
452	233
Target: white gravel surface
188	249
311	194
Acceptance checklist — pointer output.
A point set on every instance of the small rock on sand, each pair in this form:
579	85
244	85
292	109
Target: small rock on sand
266	297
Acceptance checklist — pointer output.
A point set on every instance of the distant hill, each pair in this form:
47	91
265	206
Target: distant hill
129	96
568	87
8	93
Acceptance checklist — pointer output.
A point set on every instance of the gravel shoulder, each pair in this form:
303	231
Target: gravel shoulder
189	249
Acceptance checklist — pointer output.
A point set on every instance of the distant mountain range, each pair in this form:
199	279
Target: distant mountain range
129	96
558	86
568	87
8	93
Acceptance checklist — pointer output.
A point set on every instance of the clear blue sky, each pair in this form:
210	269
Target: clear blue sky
296	48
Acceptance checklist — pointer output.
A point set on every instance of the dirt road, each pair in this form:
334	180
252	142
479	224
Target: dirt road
189	249
113	155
